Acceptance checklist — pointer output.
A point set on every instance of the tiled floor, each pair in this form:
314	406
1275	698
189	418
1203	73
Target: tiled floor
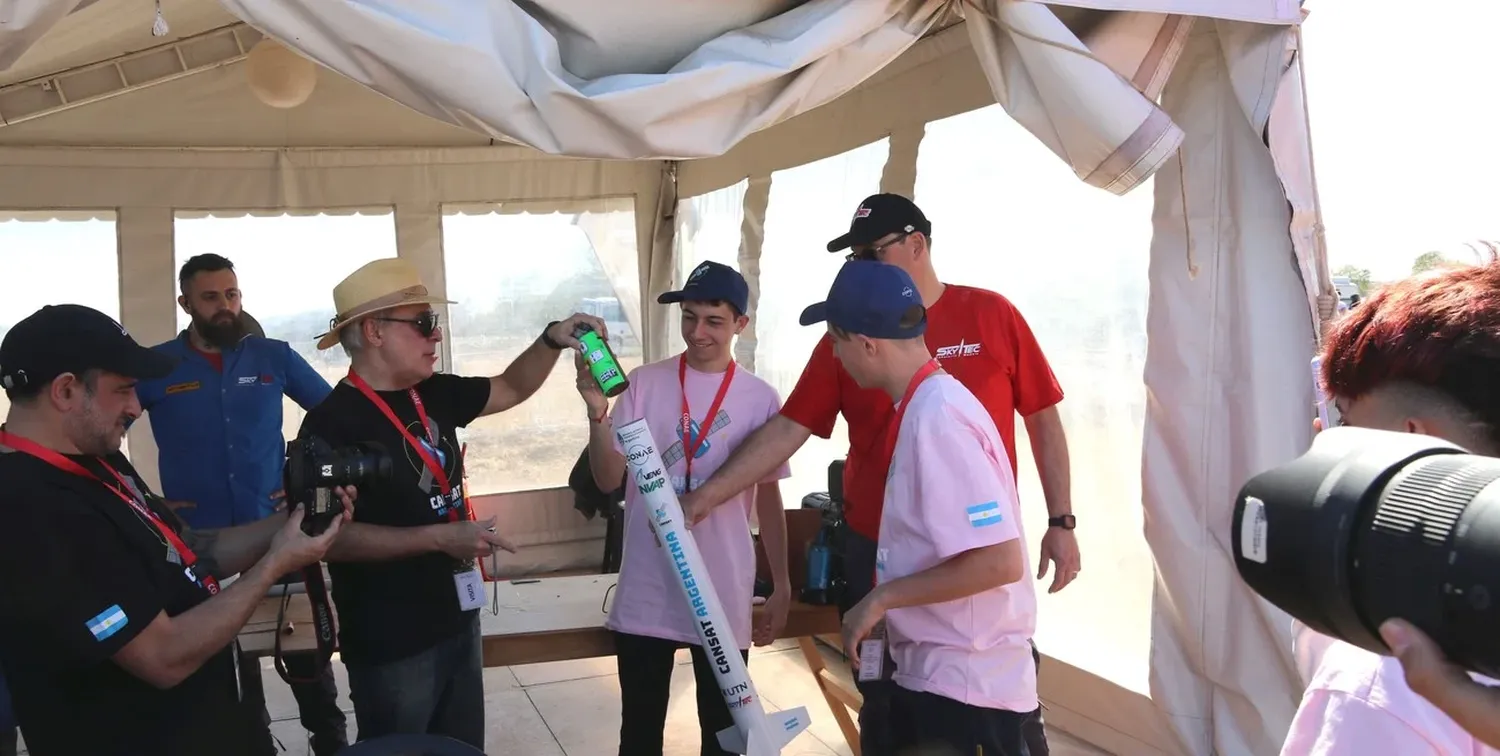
572	708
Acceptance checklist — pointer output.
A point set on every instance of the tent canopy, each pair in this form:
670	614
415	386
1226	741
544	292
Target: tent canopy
631	140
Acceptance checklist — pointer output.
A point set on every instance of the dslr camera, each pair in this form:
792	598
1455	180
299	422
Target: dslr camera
1372	525
314	468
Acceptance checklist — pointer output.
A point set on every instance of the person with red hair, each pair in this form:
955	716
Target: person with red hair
1420	356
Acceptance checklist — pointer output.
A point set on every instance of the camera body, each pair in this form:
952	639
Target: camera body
314	468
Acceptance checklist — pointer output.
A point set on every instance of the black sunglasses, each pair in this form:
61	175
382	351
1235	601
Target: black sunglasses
874	252
427	323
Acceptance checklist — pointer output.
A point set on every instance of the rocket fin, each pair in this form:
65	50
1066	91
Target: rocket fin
788	724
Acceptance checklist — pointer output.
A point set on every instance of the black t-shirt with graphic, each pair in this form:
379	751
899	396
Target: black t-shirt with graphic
83	574
391	610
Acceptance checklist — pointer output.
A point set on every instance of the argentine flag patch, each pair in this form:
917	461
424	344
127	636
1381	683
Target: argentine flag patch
107	623
981	515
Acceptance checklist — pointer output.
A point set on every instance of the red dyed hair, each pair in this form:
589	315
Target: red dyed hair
1439	331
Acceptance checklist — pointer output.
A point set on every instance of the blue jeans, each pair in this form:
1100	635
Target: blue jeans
439	691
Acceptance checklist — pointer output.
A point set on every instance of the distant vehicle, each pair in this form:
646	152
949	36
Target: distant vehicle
609	309
1346	288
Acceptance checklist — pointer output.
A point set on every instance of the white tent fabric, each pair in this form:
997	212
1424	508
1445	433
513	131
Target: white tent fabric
1229	394
527	76
551	79
1233	270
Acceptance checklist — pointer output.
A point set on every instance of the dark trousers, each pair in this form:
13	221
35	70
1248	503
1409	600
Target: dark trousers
439	691
8	737
317	703
645	666
933	725
875	715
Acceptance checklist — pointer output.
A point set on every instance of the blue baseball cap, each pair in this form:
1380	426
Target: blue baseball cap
713	282
871	299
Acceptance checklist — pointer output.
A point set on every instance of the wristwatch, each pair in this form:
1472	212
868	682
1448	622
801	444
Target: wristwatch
1066	522
547	338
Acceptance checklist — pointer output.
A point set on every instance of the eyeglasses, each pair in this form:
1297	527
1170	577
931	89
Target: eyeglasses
873	253
426	324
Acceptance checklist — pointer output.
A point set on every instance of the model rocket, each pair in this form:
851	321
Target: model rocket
755	733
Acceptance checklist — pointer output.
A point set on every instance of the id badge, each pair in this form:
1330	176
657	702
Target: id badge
470	587
872	656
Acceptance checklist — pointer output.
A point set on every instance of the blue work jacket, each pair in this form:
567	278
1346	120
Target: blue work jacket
219	433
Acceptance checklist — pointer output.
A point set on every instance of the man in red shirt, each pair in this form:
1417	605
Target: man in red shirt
981	339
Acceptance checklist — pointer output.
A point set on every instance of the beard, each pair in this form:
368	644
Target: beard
224	330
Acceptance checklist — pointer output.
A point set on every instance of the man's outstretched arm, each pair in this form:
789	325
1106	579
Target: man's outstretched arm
770	446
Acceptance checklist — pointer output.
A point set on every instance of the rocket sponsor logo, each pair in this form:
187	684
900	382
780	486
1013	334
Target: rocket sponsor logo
638	454
650	481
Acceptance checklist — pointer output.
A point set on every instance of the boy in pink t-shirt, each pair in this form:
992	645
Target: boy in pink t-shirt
950	562
724	405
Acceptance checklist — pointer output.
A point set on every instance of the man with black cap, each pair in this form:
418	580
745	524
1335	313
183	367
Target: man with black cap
981	340
115	632
699	406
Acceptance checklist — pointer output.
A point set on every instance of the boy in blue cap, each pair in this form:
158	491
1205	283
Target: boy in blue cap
951	610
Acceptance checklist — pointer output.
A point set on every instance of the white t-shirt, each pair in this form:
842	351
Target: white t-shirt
648	598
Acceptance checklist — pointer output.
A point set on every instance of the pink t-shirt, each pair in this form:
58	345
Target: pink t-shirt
648	599
951	490
1358	704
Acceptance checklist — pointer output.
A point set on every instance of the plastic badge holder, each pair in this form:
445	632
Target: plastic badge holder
872	656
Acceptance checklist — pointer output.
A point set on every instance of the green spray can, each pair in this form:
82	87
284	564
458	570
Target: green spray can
601	361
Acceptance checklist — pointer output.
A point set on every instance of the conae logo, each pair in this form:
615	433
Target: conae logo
638	454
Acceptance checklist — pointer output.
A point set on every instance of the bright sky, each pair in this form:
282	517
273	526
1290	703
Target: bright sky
289	264
1406	128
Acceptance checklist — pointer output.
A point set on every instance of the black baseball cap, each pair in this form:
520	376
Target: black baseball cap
882	214
713	282
72	338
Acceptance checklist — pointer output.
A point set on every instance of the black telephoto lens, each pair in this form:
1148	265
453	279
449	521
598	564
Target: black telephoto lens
1370	525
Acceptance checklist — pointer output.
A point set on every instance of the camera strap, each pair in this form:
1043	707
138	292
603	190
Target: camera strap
421	449
325	630
127	494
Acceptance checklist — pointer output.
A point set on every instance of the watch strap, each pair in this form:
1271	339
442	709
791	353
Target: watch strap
547	338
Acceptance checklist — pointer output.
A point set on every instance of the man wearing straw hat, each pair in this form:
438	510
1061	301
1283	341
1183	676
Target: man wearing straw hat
404	577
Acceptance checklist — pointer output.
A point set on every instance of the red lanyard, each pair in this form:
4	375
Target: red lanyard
894	429
690	443
57	460
422	451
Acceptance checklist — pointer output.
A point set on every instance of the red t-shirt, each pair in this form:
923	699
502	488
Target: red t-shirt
980	339
214	358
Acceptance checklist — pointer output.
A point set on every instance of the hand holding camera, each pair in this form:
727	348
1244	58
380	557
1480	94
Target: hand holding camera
468	539
292	548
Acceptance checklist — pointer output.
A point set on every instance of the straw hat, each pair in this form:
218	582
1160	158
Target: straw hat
380	285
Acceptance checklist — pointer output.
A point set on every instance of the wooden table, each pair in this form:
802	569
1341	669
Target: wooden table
556	619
